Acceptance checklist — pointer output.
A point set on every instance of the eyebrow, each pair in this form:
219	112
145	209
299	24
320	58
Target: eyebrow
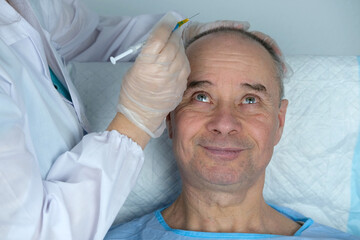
196	84
256	87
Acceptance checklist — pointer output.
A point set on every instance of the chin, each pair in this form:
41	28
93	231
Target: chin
227	177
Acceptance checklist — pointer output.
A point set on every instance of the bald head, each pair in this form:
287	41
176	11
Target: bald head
277	62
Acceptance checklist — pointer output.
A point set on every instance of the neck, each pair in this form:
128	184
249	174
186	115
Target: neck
243	212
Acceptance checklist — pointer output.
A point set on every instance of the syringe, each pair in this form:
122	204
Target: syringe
131	50
136	47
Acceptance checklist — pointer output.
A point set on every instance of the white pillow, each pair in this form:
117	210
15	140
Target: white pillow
314	167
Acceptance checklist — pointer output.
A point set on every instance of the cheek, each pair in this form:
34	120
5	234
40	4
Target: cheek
186	126
189	118
263	130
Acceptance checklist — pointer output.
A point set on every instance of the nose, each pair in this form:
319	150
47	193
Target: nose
223	121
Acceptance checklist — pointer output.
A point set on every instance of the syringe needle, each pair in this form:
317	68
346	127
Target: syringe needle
194	16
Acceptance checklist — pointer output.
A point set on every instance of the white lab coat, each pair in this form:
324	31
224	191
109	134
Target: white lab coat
54	182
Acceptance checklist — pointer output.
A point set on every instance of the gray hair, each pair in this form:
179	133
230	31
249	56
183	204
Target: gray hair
278	61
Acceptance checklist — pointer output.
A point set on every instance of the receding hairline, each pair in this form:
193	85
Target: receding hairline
279	65
217	30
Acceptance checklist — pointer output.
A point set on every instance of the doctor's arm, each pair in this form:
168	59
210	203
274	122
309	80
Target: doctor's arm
86	185
79	34
83	190
124	126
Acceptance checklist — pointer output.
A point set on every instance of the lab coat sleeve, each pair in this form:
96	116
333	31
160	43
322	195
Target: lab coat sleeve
83	191
81	35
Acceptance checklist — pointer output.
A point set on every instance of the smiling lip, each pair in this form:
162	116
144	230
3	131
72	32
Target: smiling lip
223	153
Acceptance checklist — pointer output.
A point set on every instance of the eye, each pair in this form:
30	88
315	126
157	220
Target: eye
202	97
250	100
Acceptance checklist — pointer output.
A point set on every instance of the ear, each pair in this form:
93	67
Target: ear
281	118
169	125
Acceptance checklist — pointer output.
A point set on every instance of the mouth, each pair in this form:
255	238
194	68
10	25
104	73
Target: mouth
227	154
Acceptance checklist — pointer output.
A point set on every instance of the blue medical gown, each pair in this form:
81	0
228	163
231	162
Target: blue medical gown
153	226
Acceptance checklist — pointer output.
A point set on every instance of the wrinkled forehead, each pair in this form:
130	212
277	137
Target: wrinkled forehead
227	41
233	56
232	48
235	50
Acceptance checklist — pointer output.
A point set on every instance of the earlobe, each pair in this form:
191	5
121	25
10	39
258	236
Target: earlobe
281	119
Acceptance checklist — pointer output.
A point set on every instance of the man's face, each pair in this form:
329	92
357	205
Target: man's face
229	120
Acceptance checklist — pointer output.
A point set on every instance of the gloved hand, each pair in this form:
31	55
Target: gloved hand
156	82
195	28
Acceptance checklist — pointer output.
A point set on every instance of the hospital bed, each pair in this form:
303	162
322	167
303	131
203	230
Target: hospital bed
315	169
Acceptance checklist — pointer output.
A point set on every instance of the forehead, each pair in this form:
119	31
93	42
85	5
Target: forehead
230	55
230	42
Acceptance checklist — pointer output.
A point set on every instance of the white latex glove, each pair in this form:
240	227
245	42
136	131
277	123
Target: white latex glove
195	28
154	85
